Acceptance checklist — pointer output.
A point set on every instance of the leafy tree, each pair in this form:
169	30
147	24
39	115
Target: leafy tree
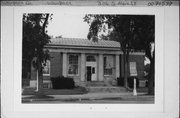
34	38
147	68
133	32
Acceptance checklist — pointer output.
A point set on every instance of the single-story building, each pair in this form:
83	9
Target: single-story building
87	61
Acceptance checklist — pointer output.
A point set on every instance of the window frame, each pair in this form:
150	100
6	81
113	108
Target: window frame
47	74
105	74
73	64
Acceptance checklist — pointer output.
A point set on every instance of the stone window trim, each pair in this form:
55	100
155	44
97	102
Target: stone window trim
90	58
108	72
74	61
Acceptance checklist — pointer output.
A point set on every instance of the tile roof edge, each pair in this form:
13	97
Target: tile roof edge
84	39
59	45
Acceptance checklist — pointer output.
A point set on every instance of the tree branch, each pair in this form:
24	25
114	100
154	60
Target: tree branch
45	23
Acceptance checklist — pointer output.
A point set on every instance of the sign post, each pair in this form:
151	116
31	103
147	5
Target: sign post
134	89
37	76
37	82
133	73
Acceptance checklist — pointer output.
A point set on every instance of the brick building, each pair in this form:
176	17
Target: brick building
86	61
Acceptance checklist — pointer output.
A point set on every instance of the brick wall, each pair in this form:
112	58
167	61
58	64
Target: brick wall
55	67
55	64
139	59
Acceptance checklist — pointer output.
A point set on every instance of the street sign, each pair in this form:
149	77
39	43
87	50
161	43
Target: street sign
133	70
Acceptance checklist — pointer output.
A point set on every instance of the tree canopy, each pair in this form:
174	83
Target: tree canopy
35	35
34	39
134	32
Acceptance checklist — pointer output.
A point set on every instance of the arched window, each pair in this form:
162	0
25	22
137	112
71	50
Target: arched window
90	58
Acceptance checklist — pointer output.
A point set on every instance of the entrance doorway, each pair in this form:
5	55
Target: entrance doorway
91	71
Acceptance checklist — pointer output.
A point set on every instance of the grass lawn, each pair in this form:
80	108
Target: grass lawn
76	90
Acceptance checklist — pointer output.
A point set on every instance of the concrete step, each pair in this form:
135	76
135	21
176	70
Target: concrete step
95	84
106	89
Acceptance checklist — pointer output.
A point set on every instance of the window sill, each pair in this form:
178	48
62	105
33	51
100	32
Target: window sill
73	75
46	74
108	75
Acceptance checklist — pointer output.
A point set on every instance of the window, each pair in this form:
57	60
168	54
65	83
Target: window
108	65
46	68
73	64
90	59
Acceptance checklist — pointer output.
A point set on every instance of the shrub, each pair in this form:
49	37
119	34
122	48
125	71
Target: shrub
120	81
130	80
62	82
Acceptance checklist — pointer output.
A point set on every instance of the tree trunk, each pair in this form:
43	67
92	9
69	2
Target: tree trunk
40	77
126	61
29	70
125	72
151	78
26	73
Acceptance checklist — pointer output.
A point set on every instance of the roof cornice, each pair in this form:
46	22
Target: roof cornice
81	47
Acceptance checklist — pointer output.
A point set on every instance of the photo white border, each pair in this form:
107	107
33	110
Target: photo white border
125	109
159	15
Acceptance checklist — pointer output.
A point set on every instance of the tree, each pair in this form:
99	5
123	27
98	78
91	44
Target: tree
133	32
34	38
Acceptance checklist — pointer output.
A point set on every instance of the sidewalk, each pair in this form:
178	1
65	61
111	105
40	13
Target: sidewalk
126	97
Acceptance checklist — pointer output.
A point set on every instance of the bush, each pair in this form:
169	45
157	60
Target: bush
120	81
131	82
62	83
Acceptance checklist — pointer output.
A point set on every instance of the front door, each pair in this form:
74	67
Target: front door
94	75
91	65
89	73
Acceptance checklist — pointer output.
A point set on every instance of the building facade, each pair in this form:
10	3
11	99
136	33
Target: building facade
86	61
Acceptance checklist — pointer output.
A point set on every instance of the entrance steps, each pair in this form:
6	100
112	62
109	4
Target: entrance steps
102	87
106	89
95	84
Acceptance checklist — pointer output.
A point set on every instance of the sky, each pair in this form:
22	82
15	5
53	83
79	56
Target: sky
68	25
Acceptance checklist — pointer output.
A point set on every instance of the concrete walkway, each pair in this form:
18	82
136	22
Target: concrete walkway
92	98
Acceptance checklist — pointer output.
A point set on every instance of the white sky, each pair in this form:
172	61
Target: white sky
68	25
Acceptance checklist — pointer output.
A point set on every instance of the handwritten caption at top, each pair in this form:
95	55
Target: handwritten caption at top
160	3
99	3
116	3
134	3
